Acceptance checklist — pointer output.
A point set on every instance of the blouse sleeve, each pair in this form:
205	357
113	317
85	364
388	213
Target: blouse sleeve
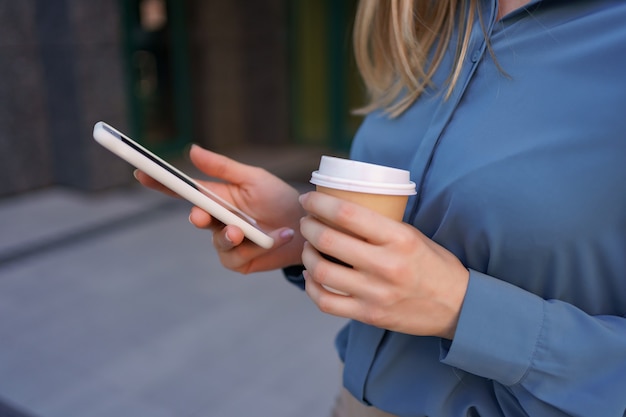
551	356
294	275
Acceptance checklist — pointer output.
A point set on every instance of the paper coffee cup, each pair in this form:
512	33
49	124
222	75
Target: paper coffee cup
380	188
383	189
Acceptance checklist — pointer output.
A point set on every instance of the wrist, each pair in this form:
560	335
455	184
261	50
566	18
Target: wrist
453	303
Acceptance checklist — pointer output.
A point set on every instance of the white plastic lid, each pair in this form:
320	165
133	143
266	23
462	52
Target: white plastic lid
361	177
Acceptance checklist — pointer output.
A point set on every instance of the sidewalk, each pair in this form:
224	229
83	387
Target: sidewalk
114	305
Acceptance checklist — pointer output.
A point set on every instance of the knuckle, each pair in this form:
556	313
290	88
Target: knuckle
239	270
345	212
326	239
392	268
404	238
229	263
324	304
320	273
220	168
235	263
375	316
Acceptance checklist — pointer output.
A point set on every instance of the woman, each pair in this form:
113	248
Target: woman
503	293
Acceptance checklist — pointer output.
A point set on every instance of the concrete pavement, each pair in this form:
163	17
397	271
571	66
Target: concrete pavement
114	305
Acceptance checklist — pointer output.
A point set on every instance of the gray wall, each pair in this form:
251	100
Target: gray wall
61	70
60	73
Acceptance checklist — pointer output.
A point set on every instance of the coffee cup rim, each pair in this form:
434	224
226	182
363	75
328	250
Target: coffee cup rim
370	187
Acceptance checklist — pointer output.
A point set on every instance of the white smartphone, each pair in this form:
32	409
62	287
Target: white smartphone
180	183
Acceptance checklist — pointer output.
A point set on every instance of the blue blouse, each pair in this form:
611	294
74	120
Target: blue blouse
521	174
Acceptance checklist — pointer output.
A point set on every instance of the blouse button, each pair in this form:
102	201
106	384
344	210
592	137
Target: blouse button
476	55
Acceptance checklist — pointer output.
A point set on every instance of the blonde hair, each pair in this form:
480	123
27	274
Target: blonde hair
399	45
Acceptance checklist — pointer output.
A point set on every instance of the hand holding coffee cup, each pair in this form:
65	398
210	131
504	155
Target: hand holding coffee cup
383	189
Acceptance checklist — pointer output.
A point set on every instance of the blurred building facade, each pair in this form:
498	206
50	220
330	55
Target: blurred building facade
167	72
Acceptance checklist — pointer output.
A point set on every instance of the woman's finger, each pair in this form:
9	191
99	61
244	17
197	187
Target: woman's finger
220	166
346	248
353	218
241	255
330	274
201	219
332	303
149	182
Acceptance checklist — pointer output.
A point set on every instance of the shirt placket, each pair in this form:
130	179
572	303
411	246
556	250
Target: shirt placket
364	340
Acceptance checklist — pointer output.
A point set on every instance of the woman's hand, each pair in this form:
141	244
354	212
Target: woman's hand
269	200
400	280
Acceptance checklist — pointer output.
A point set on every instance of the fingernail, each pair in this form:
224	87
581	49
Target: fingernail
228	239
188	148
301	198
286	234
136	174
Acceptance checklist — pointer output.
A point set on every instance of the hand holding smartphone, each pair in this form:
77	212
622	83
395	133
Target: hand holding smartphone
178	182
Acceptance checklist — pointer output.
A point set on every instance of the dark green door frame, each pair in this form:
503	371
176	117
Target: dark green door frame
324	83
178	100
